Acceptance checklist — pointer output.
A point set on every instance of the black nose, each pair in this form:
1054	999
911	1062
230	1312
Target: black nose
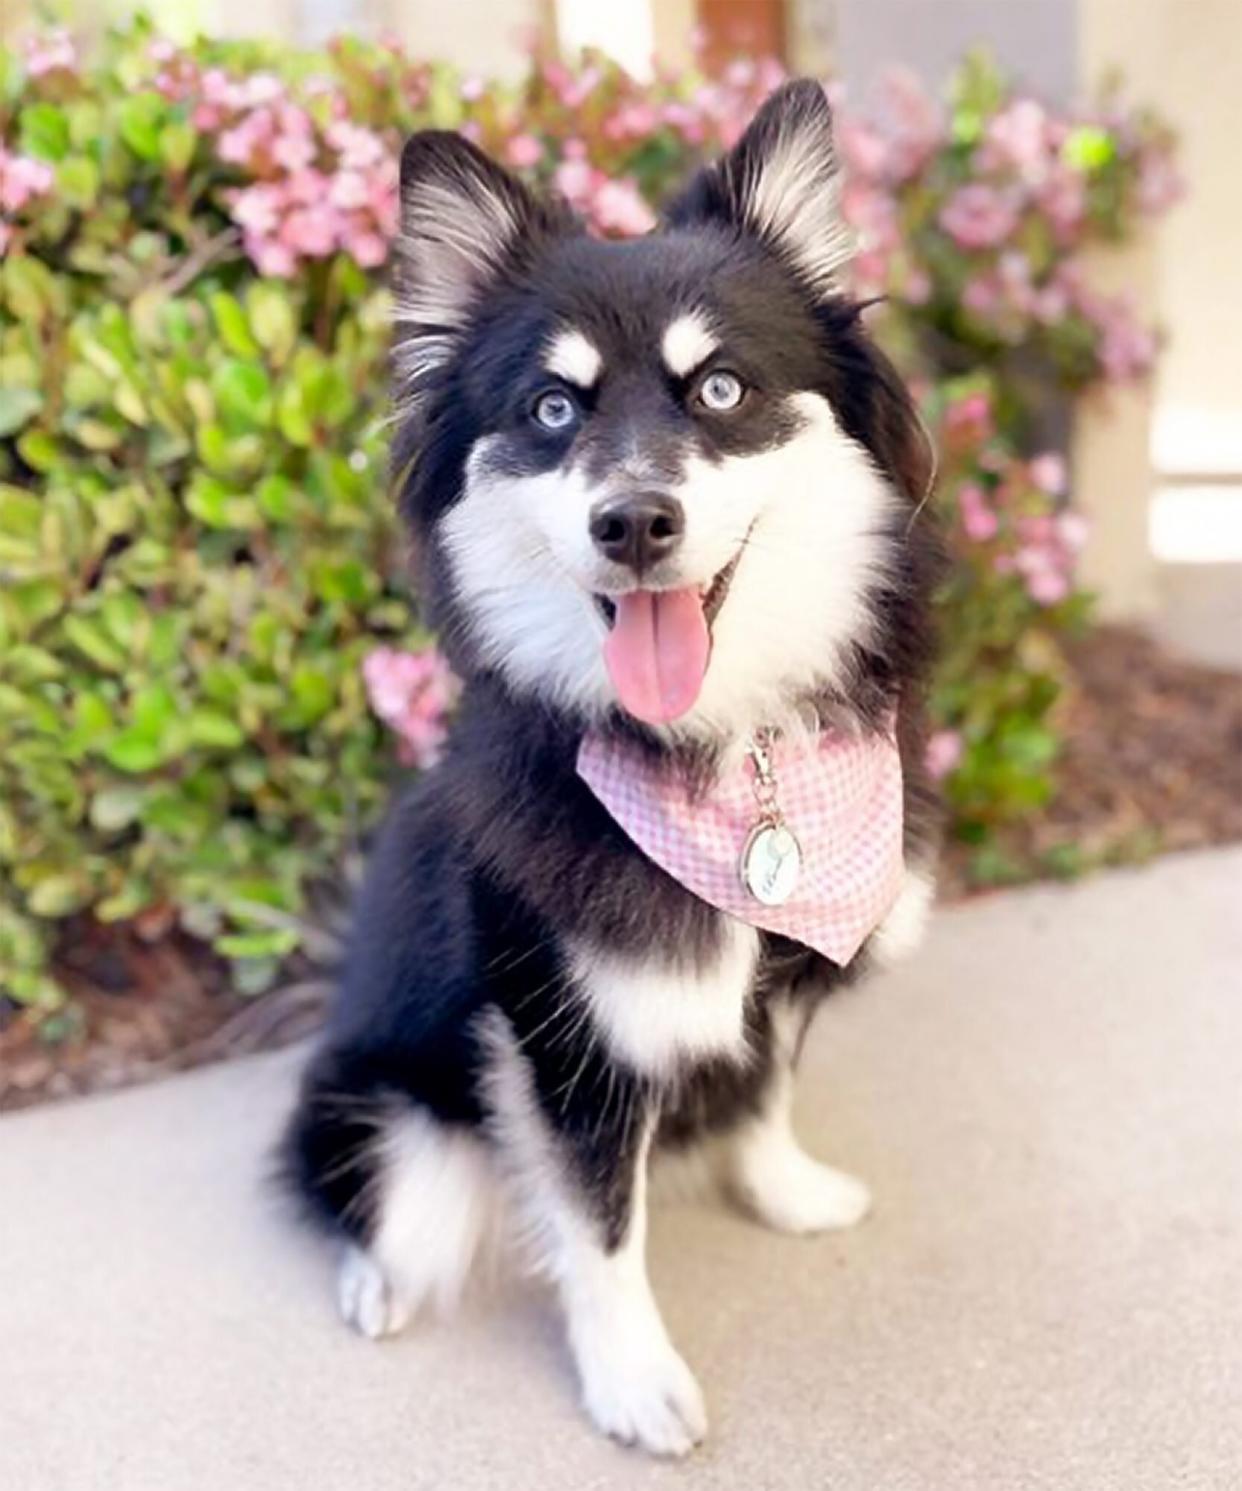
639	530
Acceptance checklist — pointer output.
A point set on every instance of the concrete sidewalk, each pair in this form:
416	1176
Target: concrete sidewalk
1048	1103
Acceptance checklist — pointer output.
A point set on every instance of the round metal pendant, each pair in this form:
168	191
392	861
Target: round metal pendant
771	863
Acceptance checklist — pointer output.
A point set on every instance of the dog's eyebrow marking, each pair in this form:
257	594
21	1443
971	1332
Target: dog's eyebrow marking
687	343
572	357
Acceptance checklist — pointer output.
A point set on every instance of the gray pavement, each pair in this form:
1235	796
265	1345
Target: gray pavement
1047	1102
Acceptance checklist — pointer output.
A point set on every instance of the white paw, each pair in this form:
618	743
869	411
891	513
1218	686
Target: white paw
644	1394
794	1193
367	1300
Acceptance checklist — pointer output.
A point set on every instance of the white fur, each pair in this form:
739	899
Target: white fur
655	1016
773	1176
810	514
687	343
527	613
436	1202
902	929
452	242
795	200
572	357
635	1386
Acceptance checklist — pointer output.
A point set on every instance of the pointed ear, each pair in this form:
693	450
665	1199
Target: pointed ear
781	182
465	223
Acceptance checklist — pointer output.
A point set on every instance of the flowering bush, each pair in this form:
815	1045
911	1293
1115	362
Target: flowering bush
1010	592
974	214
204	636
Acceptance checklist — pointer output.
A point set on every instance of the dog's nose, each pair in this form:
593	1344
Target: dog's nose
638	530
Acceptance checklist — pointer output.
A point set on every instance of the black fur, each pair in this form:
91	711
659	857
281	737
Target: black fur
501	856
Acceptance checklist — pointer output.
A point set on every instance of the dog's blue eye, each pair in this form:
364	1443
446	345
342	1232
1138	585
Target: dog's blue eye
721	392
555	410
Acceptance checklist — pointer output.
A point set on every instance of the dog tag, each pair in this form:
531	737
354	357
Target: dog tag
771	863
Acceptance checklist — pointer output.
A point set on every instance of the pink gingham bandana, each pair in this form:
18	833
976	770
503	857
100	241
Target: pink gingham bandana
841	797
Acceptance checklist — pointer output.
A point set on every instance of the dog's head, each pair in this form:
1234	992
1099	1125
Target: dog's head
670	475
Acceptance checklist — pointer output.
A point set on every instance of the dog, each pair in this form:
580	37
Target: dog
668	507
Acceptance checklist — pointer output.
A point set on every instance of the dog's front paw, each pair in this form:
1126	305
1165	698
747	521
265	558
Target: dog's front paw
794	1193
642	1393
367	1299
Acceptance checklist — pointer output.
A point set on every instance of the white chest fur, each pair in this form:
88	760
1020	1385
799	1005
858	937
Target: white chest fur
656	1015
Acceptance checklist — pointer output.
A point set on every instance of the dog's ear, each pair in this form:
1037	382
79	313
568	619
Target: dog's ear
465	224
781	181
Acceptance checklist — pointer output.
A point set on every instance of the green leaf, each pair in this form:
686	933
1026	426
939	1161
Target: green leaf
140	121
57	895
274	943
88	635
115	808
134	751
208	727
77	181
21	512
17	407
232	325
178	142
243	395
272	319
44	131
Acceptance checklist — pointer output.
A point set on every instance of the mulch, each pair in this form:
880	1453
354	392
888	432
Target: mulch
1152	763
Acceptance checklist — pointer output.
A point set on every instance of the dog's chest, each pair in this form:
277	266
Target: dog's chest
658	1014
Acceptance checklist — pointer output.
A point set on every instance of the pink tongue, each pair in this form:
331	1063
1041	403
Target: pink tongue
657	652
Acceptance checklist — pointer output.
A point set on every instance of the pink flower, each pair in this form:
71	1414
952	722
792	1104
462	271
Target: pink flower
618	207
1159	183
349	190
1047	472
270	257
978	216
1128	349
915	123
258	89
50	51
982	294
257	209
944	752
412	693
978	520
1017	137
524	151
294	152
1050	304
357	147
969	417
863	149
22	178
1073	530
917	286
1047	586
368	250
575	179
1063	201
309	231
632	121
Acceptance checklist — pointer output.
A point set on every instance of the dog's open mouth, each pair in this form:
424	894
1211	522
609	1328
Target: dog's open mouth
713	596
659	645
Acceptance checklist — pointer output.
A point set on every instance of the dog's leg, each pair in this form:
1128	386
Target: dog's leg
436	1192
580	1177
768	1171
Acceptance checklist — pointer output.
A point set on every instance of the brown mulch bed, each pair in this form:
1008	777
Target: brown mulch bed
1152	762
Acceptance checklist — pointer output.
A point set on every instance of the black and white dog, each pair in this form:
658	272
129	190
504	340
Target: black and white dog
668	503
